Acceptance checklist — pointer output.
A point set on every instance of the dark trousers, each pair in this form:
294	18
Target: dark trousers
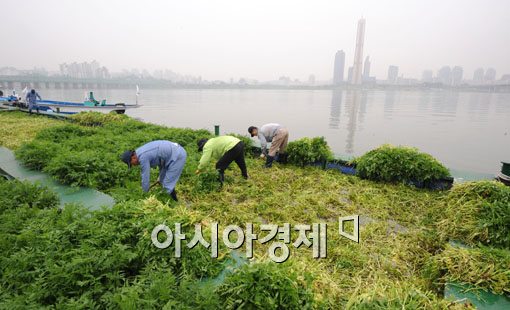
235	154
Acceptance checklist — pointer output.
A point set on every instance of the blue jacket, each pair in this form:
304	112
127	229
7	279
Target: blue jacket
160	154
31	98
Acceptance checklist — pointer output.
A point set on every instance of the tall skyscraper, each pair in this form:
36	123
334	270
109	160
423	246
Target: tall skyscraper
392	74
457	73
478	75
339	68
366	69
357	67
444	75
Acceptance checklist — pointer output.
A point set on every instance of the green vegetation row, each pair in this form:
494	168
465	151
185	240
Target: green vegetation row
79	259
66	152
89	155
394	164
73	258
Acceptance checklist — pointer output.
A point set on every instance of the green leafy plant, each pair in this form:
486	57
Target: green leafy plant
399	164
60	134
17	129
98	118
477	212
482	267
82	156
394	296
86	168
309	151
207	182
14	194
267	286
37	154
100	259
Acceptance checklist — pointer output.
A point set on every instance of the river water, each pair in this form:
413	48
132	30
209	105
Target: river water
466	131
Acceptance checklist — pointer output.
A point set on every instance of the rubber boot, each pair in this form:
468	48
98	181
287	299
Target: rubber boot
221	177
173	194
269	161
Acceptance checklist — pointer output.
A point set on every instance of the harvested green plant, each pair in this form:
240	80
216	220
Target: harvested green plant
477	212
482	267
399	164
309	151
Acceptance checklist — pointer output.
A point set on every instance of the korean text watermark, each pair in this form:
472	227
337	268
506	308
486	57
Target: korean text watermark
279	237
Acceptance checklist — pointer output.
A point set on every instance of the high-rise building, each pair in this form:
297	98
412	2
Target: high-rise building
444	75
339	68
366	69
490	75
426	76
457	73
478	75
84	70
349	75
357	67
392	74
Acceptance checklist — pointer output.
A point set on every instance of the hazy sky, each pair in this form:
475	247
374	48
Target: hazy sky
258	39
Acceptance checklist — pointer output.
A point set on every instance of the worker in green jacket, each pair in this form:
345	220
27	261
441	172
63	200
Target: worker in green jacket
226	149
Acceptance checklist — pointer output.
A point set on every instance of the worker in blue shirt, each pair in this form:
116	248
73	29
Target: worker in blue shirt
170	157
31	98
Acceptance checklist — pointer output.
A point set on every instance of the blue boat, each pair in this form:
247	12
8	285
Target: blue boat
67	107
89	104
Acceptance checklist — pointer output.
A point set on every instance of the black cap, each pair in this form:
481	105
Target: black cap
201	144
250	129
126	157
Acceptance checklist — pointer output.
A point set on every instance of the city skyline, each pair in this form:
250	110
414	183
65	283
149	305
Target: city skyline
259	40
357	74
446	75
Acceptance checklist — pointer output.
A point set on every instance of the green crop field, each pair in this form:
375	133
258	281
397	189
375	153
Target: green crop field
76	258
